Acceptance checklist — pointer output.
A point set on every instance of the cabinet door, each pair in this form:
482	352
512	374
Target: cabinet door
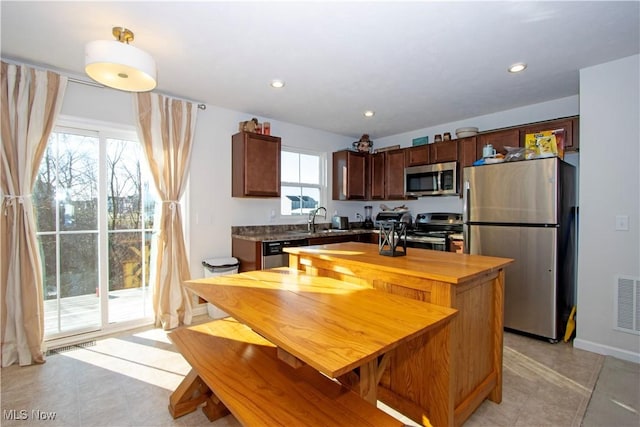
445	151
255	165
467	154
376	163
248	253
499	140
394	174
349	175
417	156
331	239
569	125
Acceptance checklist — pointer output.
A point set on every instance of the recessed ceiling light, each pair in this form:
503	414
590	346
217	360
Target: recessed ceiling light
516	68
369	113
277	84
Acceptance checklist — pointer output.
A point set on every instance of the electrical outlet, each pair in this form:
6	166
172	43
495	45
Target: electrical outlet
622	222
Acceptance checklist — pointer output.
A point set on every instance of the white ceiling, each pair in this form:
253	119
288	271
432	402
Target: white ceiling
416	64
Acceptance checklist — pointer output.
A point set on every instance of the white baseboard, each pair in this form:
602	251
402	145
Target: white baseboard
199	309
606	350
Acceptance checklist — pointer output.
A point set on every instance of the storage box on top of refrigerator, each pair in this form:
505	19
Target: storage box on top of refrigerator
527	211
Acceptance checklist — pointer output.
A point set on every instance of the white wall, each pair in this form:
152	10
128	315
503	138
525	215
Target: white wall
609	180
212	210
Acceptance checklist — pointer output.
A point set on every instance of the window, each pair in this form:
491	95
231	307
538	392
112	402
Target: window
303	183
94	203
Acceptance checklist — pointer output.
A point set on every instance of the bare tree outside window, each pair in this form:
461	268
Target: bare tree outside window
67	199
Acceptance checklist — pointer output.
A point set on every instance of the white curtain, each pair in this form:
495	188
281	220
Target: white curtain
31	101
166	127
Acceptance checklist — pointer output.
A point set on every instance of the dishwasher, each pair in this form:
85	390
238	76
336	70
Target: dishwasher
273	254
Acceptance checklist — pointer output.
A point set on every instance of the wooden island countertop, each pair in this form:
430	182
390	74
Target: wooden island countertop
472	284
448	267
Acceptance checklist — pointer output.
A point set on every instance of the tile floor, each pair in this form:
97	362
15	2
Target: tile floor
126	380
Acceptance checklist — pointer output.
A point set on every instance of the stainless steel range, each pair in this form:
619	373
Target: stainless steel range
432	230
429	230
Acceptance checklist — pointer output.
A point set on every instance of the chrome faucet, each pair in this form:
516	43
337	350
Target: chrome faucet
311	223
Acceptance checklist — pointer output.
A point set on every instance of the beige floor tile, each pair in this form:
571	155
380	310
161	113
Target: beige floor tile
126	380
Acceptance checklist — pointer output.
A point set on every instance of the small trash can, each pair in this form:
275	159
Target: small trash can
218	267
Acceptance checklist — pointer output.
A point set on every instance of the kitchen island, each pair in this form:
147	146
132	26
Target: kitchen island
472	284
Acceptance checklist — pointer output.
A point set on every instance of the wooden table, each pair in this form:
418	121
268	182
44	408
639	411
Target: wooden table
333	326
472	284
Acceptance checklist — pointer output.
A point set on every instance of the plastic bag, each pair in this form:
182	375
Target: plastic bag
515	154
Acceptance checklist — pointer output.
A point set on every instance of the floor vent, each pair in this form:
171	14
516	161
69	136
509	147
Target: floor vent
57	350
627	304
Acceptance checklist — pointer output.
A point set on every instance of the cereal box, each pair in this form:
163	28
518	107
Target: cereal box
549	143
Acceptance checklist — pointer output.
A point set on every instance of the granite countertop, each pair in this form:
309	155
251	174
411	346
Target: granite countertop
261	233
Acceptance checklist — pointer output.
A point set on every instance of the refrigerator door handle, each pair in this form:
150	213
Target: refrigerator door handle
466	235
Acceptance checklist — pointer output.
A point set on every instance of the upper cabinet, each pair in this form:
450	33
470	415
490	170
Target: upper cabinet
499	139
364	176
444	151
417	156
380	176
376	173
570	126
394	174
350	175
467	152
255	165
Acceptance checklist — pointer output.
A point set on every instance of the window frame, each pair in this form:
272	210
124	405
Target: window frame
322	186
103	131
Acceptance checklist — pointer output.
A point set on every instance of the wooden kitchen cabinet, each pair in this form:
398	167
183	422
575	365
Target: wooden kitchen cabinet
255	165
467	151
394	174
248	253
376	171
570	126
444	151
467	154
350	175
417	156
326	240
499	139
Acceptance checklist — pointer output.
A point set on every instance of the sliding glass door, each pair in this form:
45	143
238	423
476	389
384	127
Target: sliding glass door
95	214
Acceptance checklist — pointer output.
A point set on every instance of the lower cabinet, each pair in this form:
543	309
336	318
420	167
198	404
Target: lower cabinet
249	252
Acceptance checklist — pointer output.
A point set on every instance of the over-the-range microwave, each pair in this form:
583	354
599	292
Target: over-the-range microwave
439	179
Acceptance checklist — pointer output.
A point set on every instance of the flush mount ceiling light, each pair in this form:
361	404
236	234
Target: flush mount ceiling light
277	83
117	64
516	68
369	113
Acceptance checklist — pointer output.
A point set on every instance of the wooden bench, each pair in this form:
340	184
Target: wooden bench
236	370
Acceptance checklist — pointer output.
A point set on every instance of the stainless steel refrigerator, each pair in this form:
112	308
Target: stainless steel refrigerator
526	210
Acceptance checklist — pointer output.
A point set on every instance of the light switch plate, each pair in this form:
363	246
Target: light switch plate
622	222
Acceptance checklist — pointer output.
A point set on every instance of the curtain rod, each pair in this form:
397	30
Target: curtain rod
201	105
